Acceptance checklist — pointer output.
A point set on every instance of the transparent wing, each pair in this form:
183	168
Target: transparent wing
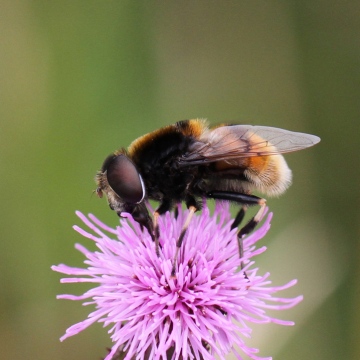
240	141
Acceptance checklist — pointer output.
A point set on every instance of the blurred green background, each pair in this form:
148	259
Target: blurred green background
80	79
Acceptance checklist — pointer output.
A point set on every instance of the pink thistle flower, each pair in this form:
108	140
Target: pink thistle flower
202	313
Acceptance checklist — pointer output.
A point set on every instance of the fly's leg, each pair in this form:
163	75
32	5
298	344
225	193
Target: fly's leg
246	201
162	209
193	206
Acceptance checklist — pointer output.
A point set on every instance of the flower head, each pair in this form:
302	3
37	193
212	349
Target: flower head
203	312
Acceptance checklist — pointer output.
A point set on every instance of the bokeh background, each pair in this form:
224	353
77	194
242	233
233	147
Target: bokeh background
79	79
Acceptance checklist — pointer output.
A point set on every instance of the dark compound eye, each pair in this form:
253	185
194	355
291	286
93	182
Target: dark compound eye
125	180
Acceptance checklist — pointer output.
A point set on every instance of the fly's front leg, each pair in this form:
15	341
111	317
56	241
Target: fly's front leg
141	215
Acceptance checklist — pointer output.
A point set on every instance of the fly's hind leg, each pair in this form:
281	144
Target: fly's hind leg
246	201
237	221
249	227
239	217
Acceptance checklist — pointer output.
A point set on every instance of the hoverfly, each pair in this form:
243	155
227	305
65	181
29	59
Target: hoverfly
188	161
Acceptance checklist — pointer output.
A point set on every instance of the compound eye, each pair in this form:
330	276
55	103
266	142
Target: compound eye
125	180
